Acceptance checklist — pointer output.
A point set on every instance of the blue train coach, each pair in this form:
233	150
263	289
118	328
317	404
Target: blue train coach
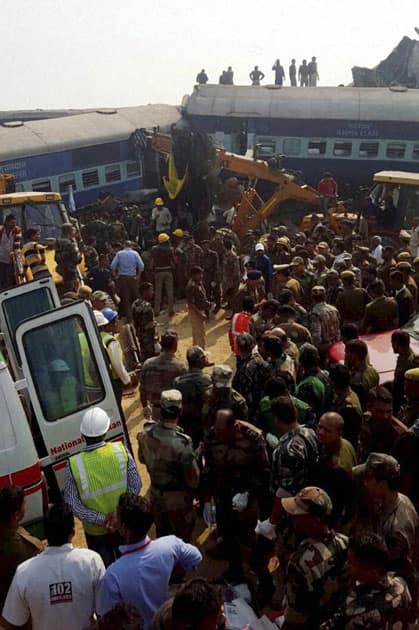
92	152
353	132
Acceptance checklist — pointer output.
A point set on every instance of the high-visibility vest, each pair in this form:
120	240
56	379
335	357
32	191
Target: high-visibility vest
86	356
107	339
101	478
239	324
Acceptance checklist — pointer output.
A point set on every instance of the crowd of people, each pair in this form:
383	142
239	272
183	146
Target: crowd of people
304	451
306	75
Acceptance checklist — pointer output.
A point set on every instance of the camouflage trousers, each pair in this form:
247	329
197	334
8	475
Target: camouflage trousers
173	513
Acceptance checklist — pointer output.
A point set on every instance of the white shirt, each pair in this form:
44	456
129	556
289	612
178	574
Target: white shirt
162	217
59	589
229	215
6	247
377	253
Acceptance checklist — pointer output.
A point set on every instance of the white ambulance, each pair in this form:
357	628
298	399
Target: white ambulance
59	370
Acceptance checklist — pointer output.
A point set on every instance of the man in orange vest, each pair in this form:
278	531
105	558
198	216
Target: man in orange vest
240	323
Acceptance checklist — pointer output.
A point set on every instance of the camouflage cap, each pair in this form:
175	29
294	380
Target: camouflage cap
222	376
171	399
383	466
310	500
404	256
99	296
404	265
195	353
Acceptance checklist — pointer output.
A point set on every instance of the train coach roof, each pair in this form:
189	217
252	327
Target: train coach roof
356	104
38	137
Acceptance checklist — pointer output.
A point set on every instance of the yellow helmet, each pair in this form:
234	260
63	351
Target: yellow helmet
159	201
178	232
163	238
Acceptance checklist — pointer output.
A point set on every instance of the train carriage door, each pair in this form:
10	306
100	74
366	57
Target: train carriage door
65	373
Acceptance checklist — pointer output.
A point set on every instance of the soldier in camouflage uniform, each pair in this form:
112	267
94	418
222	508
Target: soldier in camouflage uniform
158	374
211	269
67	257
144	320
193	386
263	320
91	257
314	571
193	255
236	475
171	463
230	273
378	599
252	373
221	395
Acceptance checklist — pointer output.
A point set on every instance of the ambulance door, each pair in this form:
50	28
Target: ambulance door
65	373
20	303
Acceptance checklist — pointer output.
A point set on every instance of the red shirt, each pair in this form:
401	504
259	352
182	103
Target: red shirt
327	187
239	324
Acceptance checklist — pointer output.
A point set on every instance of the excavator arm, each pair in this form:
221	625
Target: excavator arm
252	209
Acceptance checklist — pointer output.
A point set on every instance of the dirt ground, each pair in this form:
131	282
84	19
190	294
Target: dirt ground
219	351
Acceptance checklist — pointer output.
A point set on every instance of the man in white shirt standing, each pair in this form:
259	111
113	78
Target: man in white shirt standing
377	249
60	587
161	217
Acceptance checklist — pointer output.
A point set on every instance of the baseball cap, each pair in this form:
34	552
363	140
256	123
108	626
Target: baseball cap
109	314
171	399
99	296
222	376
259	247
383	466
310	500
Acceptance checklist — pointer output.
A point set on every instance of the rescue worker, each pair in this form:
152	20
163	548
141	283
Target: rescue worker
221	395
179	262
240	323
381	313
363	376
236	475
282	280
194	256
95	478
193	385
67	257
10	243
211	269
279	73
323	321
352	300
161	217
144	321
62	397
108	327
158	374
198	306
252	288
230	274
167	451
34	255
164	264
16	544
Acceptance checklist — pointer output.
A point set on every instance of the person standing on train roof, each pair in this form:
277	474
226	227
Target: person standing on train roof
202	77
293	73
279	73
313	75
256	76
228	76
303	74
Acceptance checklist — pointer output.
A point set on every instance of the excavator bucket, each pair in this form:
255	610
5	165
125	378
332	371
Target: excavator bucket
173	183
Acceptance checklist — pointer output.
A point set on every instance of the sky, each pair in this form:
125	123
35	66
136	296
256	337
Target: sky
90	53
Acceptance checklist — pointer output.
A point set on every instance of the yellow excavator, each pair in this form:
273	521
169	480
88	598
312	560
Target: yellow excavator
251	210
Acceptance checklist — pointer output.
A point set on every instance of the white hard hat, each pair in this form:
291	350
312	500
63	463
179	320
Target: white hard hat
95	422
100	319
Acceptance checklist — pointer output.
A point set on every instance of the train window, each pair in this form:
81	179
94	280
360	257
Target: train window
342	149
112	173
291	146
90	178
395	150
42	186
133	169
415	152
317	147
64	181
368	149
265	149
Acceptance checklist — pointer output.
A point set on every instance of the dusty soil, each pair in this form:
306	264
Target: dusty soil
219	351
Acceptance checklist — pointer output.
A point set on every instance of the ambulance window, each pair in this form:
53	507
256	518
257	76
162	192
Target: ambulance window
23	306
63	367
